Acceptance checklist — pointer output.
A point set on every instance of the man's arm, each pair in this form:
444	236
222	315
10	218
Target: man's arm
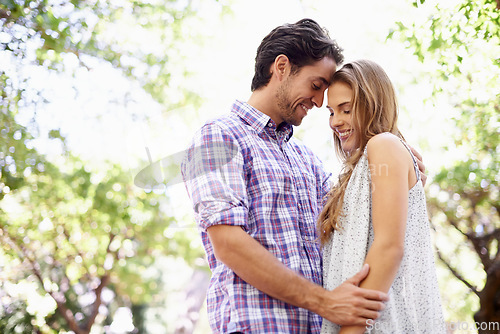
346	305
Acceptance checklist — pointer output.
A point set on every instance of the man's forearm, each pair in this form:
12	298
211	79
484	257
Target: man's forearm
346	305
259	268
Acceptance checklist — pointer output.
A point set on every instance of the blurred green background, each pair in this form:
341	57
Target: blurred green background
94	91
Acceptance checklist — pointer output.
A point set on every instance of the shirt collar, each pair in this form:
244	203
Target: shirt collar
258	120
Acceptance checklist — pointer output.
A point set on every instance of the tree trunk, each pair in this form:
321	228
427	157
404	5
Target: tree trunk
195	295
488	316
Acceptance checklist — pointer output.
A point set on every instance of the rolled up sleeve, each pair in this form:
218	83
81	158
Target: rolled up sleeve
214	176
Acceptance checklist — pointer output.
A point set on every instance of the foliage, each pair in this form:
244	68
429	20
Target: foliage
140	38
77	232
460	45
77	242
14	319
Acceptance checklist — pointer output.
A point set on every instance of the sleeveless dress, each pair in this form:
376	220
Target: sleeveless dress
414	304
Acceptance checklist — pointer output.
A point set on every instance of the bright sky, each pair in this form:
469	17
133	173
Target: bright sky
99	126
223	67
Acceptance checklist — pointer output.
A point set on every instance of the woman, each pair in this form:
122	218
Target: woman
376	214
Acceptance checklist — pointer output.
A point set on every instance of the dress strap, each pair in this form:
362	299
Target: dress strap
415	165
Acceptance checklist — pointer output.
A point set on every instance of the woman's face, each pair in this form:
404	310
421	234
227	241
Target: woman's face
339	104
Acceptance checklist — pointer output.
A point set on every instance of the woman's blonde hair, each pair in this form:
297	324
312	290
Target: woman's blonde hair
374	110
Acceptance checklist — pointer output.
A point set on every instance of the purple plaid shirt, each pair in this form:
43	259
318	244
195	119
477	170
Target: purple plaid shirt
241	170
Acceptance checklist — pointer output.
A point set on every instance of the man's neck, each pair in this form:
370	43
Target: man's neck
263	100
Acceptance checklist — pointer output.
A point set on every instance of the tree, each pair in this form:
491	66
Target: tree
460	44
77	238
77	233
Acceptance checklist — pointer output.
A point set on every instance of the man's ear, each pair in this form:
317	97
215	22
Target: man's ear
281	66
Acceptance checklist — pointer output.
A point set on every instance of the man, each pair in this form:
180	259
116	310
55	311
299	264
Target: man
256	194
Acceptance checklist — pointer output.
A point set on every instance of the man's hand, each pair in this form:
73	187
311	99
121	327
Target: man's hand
420	164
349	304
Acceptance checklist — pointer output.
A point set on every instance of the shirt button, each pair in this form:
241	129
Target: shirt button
270	125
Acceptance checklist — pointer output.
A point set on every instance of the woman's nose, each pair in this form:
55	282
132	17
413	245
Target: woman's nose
335	121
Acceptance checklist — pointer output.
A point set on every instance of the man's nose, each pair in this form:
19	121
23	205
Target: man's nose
317	99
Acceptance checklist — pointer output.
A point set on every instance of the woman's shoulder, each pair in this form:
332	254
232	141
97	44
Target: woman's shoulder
385	140
386	147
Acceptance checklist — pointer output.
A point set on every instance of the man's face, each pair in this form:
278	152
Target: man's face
301	91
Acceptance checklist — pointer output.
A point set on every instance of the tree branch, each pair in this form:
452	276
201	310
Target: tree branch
483	242
495	234
98	291
65	312
95	306
68	237
478	242
456	274
455	225
494	267
479	245
4	14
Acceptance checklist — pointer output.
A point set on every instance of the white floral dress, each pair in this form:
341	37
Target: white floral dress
414	304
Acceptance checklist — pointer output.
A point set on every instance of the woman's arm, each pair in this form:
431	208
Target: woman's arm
392	174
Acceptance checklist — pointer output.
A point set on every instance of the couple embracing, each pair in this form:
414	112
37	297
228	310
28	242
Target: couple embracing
290	250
